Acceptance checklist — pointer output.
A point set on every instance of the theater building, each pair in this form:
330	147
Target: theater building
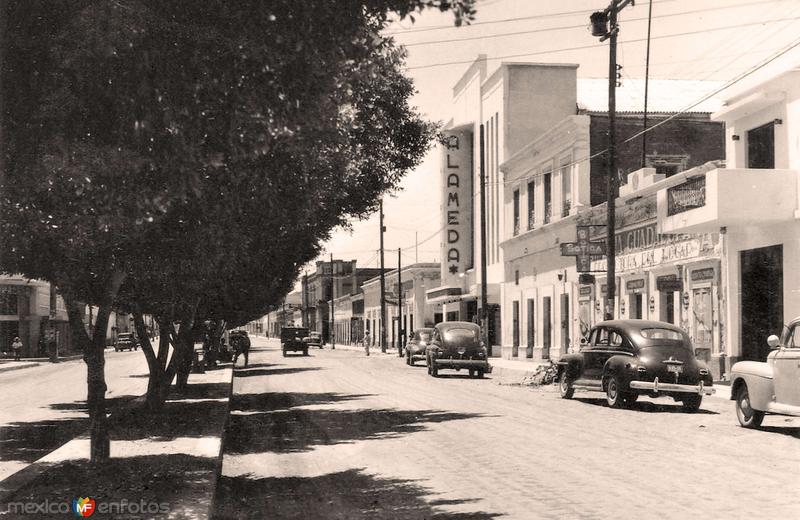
515	103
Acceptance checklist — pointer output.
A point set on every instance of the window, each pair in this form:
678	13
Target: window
531	204
761	147
515	321
531	329
516	277
548	178
8	303
655	333
516	212
566	186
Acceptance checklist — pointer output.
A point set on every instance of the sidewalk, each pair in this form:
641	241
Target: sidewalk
166	466
7	364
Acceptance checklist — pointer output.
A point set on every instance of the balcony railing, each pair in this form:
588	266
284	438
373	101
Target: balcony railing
566	208
548	211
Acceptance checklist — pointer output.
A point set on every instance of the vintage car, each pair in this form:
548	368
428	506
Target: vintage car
457	345
771	387
126	341
314	339
417	345
292	340
627	358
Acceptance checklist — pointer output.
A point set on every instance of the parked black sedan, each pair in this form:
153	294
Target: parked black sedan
457	345
627	358
417	345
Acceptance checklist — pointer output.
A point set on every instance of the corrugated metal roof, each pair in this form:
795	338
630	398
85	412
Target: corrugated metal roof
664	95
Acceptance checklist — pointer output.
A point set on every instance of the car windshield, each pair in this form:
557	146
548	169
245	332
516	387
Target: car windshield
460	334
658	333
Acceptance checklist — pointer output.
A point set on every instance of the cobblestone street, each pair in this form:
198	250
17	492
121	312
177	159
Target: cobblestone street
340	435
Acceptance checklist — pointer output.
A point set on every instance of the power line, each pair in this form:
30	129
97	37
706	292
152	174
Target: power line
504	20
579	26
583	47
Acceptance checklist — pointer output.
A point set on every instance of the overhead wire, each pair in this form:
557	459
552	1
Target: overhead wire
584	47
580	26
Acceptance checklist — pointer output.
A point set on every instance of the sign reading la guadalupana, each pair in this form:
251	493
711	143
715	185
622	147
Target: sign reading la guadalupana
456	204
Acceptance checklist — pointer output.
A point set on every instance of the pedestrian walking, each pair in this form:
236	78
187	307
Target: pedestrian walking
241	345
366	342
17	346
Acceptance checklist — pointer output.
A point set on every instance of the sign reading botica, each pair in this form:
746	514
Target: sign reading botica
456	205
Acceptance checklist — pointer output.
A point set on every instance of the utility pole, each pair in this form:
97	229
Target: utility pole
400	328
484	312
305	299
333	320
604	25
383	286
646	85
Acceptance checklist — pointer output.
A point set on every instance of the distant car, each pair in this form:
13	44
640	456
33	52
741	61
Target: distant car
126	341
626	358
457	345
314	339
772	386
417	345
292	340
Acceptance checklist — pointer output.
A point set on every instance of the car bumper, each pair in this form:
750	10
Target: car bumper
656	386
463	363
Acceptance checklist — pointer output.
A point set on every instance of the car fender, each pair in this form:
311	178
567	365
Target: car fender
619	365
758	378
571	365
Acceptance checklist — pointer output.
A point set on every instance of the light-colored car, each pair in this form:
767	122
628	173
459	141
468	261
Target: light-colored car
314	339
772	386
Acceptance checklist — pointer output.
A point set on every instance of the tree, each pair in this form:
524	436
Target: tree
169	149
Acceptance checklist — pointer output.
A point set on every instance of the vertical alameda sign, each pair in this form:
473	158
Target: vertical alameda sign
456	205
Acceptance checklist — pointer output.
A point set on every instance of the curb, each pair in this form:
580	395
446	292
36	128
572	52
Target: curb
33	362
16	481
218	472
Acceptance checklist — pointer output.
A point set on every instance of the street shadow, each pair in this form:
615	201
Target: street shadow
647	407
247	372
167	486
351	494
459	375
257	365
791	431
281	401
295	430
30	441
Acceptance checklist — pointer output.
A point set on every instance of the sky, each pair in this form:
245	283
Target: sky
690	39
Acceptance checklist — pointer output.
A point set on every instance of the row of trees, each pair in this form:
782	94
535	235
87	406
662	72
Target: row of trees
184	159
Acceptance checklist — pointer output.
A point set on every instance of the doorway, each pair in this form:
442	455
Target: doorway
761	299
547	327
636	305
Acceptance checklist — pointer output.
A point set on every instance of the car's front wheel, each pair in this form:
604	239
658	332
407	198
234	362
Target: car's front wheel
565	387
747	415
614	395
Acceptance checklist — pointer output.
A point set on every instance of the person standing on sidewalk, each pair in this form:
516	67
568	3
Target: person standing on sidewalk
17	346
366	341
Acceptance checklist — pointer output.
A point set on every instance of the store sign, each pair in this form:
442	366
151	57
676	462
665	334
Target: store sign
699	275
687	196
585	290
635	285
669	283
456	205
653	257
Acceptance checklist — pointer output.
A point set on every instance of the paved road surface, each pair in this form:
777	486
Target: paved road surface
44	407
340	435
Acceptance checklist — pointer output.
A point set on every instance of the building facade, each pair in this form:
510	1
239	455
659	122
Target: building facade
512	105
414	282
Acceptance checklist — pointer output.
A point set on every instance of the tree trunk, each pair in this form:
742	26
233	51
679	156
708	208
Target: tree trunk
94	357
153	399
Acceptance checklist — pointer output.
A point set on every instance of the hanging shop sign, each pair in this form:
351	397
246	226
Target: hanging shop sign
456	205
